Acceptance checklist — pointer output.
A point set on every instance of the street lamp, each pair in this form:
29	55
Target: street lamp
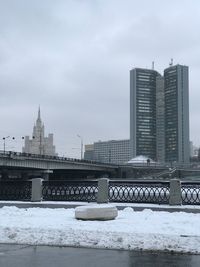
81	145
4	143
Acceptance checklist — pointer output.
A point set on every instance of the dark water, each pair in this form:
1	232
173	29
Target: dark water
43	256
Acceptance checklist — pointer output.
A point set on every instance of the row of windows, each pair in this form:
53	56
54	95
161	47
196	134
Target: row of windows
144	100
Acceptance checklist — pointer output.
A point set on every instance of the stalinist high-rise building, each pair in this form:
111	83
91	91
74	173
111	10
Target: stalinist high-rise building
39	144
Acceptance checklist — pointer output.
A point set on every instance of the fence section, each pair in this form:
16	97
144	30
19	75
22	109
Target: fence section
70	190
190	193
15	190
142	192
131	191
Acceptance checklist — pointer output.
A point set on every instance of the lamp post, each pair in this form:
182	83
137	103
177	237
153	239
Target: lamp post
23	144
81	145
4	143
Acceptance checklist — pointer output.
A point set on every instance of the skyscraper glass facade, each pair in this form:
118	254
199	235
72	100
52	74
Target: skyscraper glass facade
143	112
160	121
176	114
171	111
159	114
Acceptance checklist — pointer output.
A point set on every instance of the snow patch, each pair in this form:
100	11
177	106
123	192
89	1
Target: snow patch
147	230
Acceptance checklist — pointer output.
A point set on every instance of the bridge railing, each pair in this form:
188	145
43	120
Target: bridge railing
129	191
15	190
12	154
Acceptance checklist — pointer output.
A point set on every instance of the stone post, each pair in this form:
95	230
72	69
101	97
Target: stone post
103	187
175	197
36	189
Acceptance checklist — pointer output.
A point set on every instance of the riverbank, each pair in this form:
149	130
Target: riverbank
131	230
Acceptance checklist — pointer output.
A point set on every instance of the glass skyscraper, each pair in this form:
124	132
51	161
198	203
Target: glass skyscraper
143	112
159	114
176	114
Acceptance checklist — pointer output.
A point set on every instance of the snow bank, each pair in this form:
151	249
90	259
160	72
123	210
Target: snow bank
147	230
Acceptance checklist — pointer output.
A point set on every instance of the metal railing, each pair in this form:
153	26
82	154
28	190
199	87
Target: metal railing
15	190
190	193
70	190
12	154
129	191
142	192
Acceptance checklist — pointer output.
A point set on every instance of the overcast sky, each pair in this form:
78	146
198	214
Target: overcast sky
73	59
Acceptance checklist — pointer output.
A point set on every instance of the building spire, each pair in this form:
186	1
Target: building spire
39	116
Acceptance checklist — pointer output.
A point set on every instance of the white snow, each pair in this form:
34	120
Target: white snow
95	206
147	229
140	160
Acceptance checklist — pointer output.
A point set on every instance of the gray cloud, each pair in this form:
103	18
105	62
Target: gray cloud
73	58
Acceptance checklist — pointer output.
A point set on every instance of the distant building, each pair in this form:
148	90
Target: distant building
160	119
89	152
177	146
159	114
143	112
39	144
113	151
194	150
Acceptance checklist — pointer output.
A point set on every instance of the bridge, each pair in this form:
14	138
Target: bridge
26	166
17	162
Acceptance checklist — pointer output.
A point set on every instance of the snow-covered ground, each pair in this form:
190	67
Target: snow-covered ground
147	230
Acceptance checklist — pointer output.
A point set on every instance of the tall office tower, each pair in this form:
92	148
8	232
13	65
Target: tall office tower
143	112
176	114
160	121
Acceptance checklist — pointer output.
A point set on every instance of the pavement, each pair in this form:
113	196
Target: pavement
47	256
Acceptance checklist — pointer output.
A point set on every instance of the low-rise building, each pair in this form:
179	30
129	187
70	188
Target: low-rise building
89	152
113	151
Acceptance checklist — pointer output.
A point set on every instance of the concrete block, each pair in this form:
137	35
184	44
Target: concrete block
96	212
36	189
103	187
175	197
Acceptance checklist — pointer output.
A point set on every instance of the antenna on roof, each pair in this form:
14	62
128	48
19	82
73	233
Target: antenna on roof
171	63
152	65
